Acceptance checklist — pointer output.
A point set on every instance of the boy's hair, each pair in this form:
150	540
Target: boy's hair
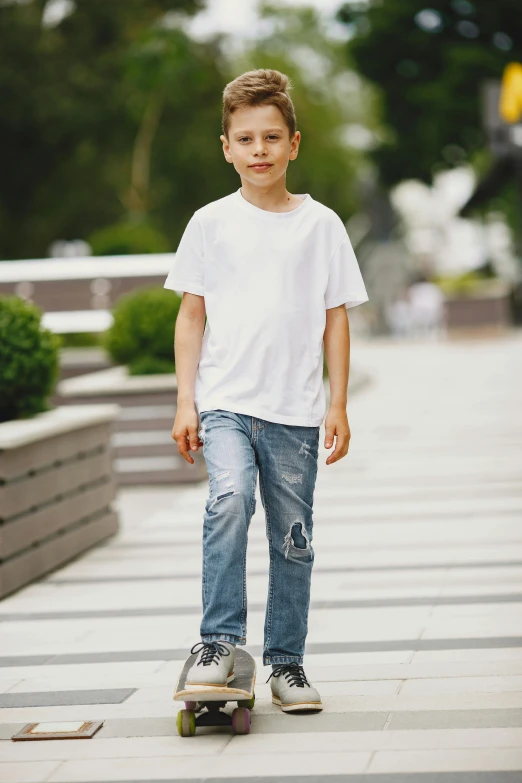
255	88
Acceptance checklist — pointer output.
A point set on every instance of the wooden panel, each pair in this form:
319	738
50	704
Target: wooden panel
169	477
138	398
24	531
34	456
152	450
40	560
137	425
59	295
33	491
82	368
477	312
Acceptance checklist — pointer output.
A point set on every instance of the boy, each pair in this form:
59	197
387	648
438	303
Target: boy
274	273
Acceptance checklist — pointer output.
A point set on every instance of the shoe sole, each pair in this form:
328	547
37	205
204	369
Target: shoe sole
298	705
208	685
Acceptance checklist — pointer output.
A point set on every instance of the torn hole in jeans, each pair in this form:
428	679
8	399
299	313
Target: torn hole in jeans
221	497
297	537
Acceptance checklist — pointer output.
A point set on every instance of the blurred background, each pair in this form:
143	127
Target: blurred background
110	138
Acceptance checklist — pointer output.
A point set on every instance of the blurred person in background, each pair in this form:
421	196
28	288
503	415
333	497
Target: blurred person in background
426	306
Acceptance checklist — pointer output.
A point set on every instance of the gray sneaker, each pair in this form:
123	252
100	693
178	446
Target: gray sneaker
214	665
291	690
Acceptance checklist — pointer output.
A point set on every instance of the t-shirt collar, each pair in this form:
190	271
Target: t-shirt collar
266	214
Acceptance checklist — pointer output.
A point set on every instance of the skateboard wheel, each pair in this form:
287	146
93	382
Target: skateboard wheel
186	723
248	703
241	720
191	705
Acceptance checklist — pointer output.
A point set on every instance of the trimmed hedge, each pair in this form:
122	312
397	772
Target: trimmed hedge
142	334
127	237
29	364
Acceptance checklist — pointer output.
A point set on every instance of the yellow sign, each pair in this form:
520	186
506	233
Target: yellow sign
510	106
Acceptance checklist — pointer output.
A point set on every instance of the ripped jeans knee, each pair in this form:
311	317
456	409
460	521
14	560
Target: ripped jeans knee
296	543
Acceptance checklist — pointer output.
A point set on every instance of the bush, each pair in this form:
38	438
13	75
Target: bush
28	360
80	340
142	334
467	283
122	239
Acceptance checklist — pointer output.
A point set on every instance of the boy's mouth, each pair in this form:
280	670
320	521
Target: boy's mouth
261	166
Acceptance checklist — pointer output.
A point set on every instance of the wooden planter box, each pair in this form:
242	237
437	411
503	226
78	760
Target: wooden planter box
80	361
142	443
56	489
486	312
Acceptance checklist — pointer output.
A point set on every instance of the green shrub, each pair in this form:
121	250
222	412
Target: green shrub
467	283
28	360
80	340
149	365
142	334
127	238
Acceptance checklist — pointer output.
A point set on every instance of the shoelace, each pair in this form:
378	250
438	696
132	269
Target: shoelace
211	652
293	672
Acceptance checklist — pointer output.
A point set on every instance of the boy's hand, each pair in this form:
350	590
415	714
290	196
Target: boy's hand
336	423
185	431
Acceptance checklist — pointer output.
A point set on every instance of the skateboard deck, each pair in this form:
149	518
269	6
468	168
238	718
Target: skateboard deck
209	700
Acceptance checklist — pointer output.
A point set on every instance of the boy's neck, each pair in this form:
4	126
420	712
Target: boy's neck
275	198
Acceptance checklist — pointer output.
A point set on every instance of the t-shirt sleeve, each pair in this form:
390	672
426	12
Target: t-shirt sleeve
345	282
187	272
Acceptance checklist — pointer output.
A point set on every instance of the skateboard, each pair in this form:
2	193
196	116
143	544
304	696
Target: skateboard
204	704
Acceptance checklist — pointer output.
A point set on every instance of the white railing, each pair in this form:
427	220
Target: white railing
20	278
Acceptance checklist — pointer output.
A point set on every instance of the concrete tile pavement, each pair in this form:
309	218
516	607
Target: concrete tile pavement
415	638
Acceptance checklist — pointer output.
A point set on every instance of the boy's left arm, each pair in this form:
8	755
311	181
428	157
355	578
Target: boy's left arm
337	351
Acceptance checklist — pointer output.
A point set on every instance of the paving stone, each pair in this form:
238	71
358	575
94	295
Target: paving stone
216	766
8	729
420	777
479	759
28	772
454	719
62	698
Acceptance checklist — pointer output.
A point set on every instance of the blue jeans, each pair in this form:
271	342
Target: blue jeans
235	446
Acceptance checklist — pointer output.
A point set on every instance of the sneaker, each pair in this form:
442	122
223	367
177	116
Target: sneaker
291	690
214	665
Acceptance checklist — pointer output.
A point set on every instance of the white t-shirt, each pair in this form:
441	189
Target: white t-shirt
268	279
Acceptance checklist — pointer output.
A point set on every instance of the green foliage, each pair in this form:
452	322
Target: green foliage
72	111
430	80
127	238
150	365
80	340
142	334
28	360
466	284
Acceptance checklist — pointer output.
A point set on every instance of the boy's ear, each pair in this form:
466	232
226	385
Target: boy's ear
294	145
226	148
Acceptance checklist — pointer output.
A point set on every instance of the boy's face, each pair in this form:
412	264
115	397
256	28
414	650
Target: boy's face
259	145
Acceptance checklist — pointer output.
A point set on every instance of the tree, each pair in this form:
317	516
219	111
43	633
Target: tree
71	115
429	60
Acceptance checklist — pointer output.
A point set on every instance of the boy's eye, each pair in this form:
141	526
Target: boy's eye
270	136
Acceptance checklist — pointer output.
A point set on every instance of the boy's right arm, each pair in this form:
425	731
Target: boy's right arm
188	337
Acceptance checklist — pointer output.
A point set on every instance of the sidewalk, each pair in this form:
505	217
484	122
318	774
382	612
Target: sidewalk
415	638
